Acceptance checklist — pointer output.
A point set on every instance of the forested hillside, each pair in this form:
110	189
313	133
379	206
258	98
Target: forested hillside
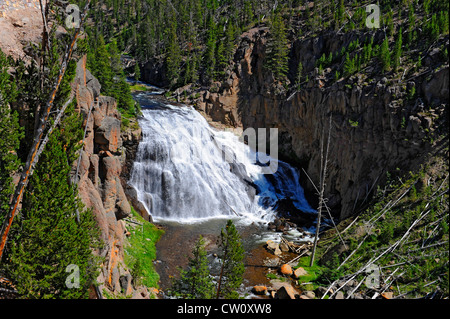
196	39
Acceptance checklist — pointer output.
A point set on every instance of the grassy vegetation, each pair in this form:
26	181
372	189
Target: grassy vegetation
140	251
405	233
313	273
139	87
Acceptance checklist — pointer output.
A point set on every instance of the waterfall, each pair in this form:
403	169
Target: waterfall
186	171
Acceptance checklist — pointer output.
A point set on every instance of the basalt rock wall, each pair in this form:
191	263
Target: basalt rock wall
373	131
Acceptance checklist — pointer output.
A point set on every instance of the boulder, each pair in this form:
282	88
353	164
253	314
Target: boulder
436	89
286	292
92	199
284	247
114	198
300	271
259	290
273	247
387	295
308	295
141	293
320	291
285	269
339	295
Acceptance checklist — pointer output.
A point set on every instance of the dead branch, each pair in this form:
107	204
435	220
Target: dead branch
323	174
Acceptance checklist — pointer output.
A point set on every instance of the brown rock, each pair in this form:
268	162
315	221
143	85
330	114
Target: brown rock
285	269
339	295
286	292
91	198
308	295
273	247
259	290
387	295
114	198
300	271
284	247
107	136
141	293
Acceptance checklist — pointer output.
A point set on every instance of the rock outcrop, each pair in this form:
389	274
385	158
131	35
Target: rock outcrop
375	129
20	25
100	175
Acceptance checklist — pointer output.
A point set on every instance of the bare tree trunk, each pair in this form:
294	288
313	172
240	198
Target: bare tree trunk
323	173
38	143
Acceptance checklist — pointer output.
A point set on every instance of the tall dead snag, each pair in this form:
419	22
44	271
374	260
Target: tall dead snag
38	141
323	173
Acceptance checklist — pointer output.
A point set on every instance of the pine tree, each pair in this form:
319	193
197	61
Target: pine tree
443	22
232	256
47	238
137	72
191	70
277	48
340	12
385	55
173	57
10	135
195	282
398	49
390	23
411	24
209	57
120	89
349	65
98	62
433	28
221	61
104	62
229	40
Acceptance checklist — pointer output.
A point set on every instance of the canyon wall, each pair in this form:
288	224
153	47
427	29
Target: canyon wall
101	181
373	130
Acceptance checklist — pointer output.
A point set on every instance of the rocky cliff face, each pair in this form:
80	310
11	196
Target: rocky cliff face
20	25
101	183
374	130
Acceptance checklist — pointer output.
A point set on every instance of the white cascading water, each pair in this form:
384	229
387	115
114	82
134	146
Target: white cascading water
186	171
